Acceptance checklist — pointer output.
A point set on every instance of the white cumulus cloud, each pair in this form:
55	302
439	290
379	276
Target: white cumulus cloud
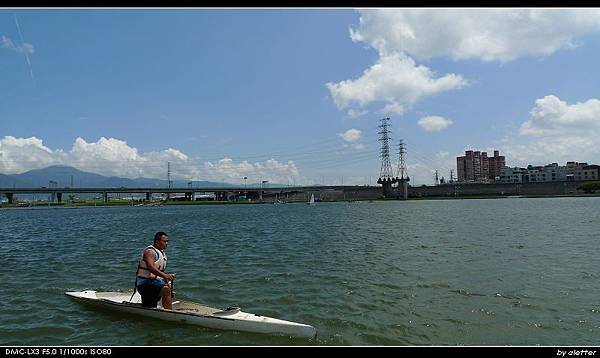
114	157
486	34
107	156
434	123
228	170
547	150
18	155
351	135
352	138
557	132
395	80
551	115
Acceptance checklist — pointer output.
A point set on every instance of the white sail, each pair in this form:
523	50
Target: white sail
312	199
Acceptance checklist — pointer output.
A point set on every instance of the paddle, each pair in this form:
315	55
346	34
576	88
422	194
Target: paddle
173	287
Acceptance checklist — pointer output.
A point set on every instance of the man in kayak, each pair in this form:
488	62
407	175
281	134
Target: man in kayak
152	282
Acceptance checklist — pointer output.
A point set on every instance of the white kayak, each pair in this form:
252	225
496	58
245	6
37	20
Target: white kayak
196	314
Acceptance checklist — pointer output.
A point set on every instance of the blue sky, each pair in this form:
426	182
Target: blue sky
294	95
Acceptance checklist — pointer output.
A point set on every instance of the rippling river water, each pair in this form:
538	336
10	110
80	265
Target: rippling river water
459	272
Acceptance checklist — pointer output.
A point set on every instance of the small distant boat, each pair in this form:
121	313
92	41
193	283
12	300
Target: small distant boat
312	199
193	313
278	201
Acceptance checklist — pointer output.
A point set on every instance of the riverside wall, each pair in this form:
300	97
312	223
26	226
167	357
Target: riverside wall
444	190
499	189
358	193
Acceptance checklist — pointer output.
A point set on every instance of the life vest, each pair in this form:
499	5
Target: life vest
161	263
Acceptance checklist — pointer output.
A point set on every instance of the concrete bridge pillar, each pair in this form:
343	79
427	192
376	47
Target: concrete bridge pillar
105	197
10	197
387	183
403	189
148	196
59	197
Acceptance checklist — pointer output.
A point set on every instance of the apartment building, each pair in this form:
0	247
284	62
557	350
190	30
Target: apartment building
573	171
586	172
512	175
546	173
476	166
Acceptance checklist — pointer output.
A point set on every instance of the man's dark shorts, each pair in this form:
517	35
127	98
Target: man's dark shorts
150	291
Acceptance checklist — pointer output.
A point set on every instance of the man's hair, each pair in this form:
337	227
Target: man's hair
158	235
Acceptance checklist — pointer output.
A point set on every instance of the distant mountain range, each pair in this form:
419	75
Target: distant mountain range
66	176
